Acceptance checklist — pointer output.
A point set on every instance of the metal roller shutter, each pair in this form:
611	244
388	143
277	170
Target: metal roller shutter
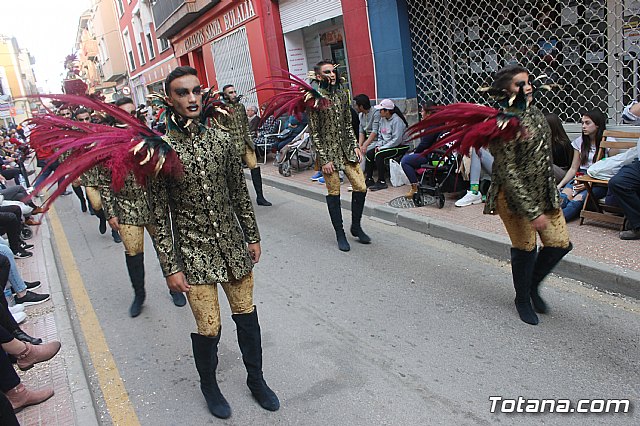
232	62
296	14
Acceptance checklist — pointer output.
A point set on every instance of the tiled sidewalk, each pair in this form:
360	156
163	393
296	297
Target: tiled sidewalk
58	410
593	240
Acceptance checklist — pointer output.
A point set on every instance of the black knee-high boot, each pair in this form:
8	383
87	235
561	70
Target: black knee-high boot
547	259
80	194
205	354
135	266
250	344
256	177
103	221
357	206
522	263
333	203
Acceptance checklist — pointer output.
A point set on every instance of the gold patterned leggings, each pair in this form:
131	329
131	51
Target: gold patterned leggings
133	238
249	158
354	174
523	235
205	306
93	194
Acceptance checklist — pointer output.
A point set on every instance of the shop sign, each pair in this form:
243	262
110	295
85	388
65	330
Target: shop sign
218	26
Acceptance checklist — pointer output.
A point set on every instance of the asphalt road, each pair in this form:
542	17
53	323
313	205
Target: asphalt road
409	330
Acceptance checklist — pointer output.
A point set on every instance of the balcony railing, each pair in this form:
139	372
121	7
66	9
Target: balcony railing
171	16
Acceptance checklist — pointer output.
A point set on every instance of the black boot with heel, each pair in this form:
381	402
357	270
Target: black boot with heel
135	266
333	203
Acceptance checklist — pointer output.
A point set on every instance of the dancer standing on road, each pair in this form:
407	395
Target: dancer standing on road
206	233
523	190
237	123
127	212
337	147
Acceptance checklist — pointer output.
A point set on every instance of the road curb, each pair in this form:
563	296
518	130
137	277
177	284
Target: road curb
596	274
84	410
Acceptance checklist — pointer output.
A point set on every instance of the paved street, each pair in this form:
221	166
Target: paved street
409	330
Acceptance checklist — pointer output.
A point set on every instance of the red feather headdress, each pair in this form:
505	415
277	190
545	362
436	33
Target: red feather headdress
134	148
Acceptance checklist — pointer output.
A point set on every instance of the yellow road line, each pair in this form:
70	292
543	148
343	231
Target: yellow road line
115	394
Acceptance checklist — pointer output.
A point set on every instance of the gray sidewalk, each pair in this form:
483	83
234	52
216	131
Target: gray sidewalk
488	238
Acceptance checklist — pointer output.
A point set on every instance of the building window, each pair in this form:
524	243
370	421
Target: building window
141	53
132	63
152	53
120	7
164	44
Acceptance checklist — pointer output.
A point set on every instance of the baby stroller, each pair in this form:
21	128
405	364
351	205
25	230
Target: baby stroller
299	154
438	176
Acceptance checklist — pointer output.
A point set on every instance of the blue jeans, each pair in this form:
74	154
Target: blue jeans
14	274
625	185
571	208
410	163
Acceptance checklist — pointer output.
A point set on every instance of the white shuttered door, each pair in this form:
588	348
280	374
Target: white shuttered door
232	62
296	14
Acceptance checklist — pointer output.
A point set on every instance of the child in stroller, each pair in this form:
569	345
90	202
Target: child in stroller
299	153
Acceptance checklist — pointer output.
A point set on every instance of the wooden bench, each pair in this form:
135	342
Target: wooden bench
593	208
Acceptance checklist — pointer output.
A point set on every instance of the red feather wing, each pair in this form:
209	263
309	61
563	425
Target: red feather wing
81	146
466	126
293	96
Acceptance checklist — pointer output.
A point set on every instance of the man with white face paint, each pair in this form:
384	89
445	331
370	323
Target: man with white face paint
206	233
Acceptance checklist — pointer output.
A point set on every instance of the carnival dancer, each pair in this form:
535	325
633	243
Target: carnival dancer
127	212
206	233
332	134
237	123
523	191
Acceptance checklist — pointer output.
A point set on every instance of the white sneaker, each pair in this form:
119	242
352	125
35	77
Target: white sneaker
469	199
19	317
16	308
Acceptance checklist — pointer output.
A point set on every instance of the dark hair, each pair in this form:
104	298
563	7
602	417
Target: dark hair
428	105
600	120
177	73
124	101
363	101
559	140
318	69
502	78
226	86
396	110
81	111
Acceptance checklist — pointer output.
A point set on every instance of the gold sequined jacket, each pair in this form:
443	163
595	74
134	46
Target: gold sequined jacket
204	219
523	169
332	132
130	205
237	123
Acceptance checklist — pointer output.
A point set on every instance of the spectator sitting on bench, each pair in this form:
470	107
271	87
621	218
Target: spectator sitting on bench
391	143
560	146
254	120
625	185
294	127
412	161
573	194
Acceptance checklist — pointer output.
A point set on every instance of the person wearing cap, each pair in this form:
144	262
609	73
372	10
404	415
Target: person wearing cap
391	143
337	148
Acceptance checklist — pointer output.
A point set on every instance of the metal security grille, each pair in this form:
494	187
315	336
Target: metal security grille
232	62
590	47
